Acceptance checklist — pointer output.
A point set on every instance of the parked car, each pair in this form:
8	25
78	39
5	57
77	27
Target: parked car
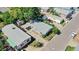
73	34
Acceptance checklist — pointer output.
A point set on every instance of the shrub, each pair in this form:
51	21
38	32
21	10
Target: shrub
62	21
69	48
36	44
56	30
48	38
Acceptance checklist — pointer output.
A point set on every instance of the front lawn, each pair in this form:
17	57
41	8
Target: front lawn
3	43
36	44
62	22
70	48
2	25
49	37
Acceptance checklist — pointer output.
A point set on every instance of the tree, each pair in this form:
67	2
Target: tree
36	13
25	13
31	13
7	19
20	13
53	11
1	45
56	30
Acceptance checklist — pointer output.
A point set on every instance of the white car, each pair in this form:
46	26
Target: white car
73	34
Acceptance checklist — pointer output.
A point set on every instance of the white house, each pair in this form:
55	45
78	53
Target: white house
57	19
63	10
16	37
44	9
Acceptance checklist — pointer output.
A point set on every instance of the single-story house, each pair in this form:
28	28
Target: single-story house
44	9
54	18
3	9
16	37
19	22
57	19
63	10
38	27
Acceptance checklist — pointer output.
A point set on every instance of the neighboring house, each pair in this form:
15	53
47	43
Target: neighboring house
3	9
44	9
16	37
63	10
57	19
38	27
19	22
53	18
45	17
27	26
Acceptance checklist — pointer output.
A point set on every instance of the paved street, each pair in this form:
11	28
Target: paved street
59	42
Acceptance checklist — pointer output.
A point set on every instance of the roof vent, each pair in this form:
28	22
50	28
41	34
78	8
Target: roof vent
13	28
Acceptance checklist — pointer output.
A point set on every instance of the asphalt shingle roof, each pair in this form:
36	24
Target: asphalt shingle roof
42	27
16	34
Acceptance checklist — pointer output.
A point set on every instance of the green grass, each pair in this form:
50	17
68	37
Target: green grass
2	25
49	37
69	48
1	45
62	22
36	44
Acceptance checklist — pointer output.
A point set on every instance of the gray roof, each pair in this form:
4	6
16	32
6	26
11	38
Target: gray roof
42	27
45	8
3	9
16	34
63	10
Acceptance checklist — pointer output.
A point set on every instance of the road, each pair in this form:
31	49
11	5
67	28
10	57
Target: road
59	42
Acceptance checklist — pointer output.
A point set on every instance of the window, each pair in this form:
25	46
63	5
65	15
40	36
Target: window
22	44
28	40
28	28
13	28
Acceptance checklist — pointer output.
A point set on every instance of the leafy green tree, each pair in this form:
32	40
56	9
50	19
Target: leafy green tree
21	13
25	13
31	13
1	46
53	11
56	30
7	19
